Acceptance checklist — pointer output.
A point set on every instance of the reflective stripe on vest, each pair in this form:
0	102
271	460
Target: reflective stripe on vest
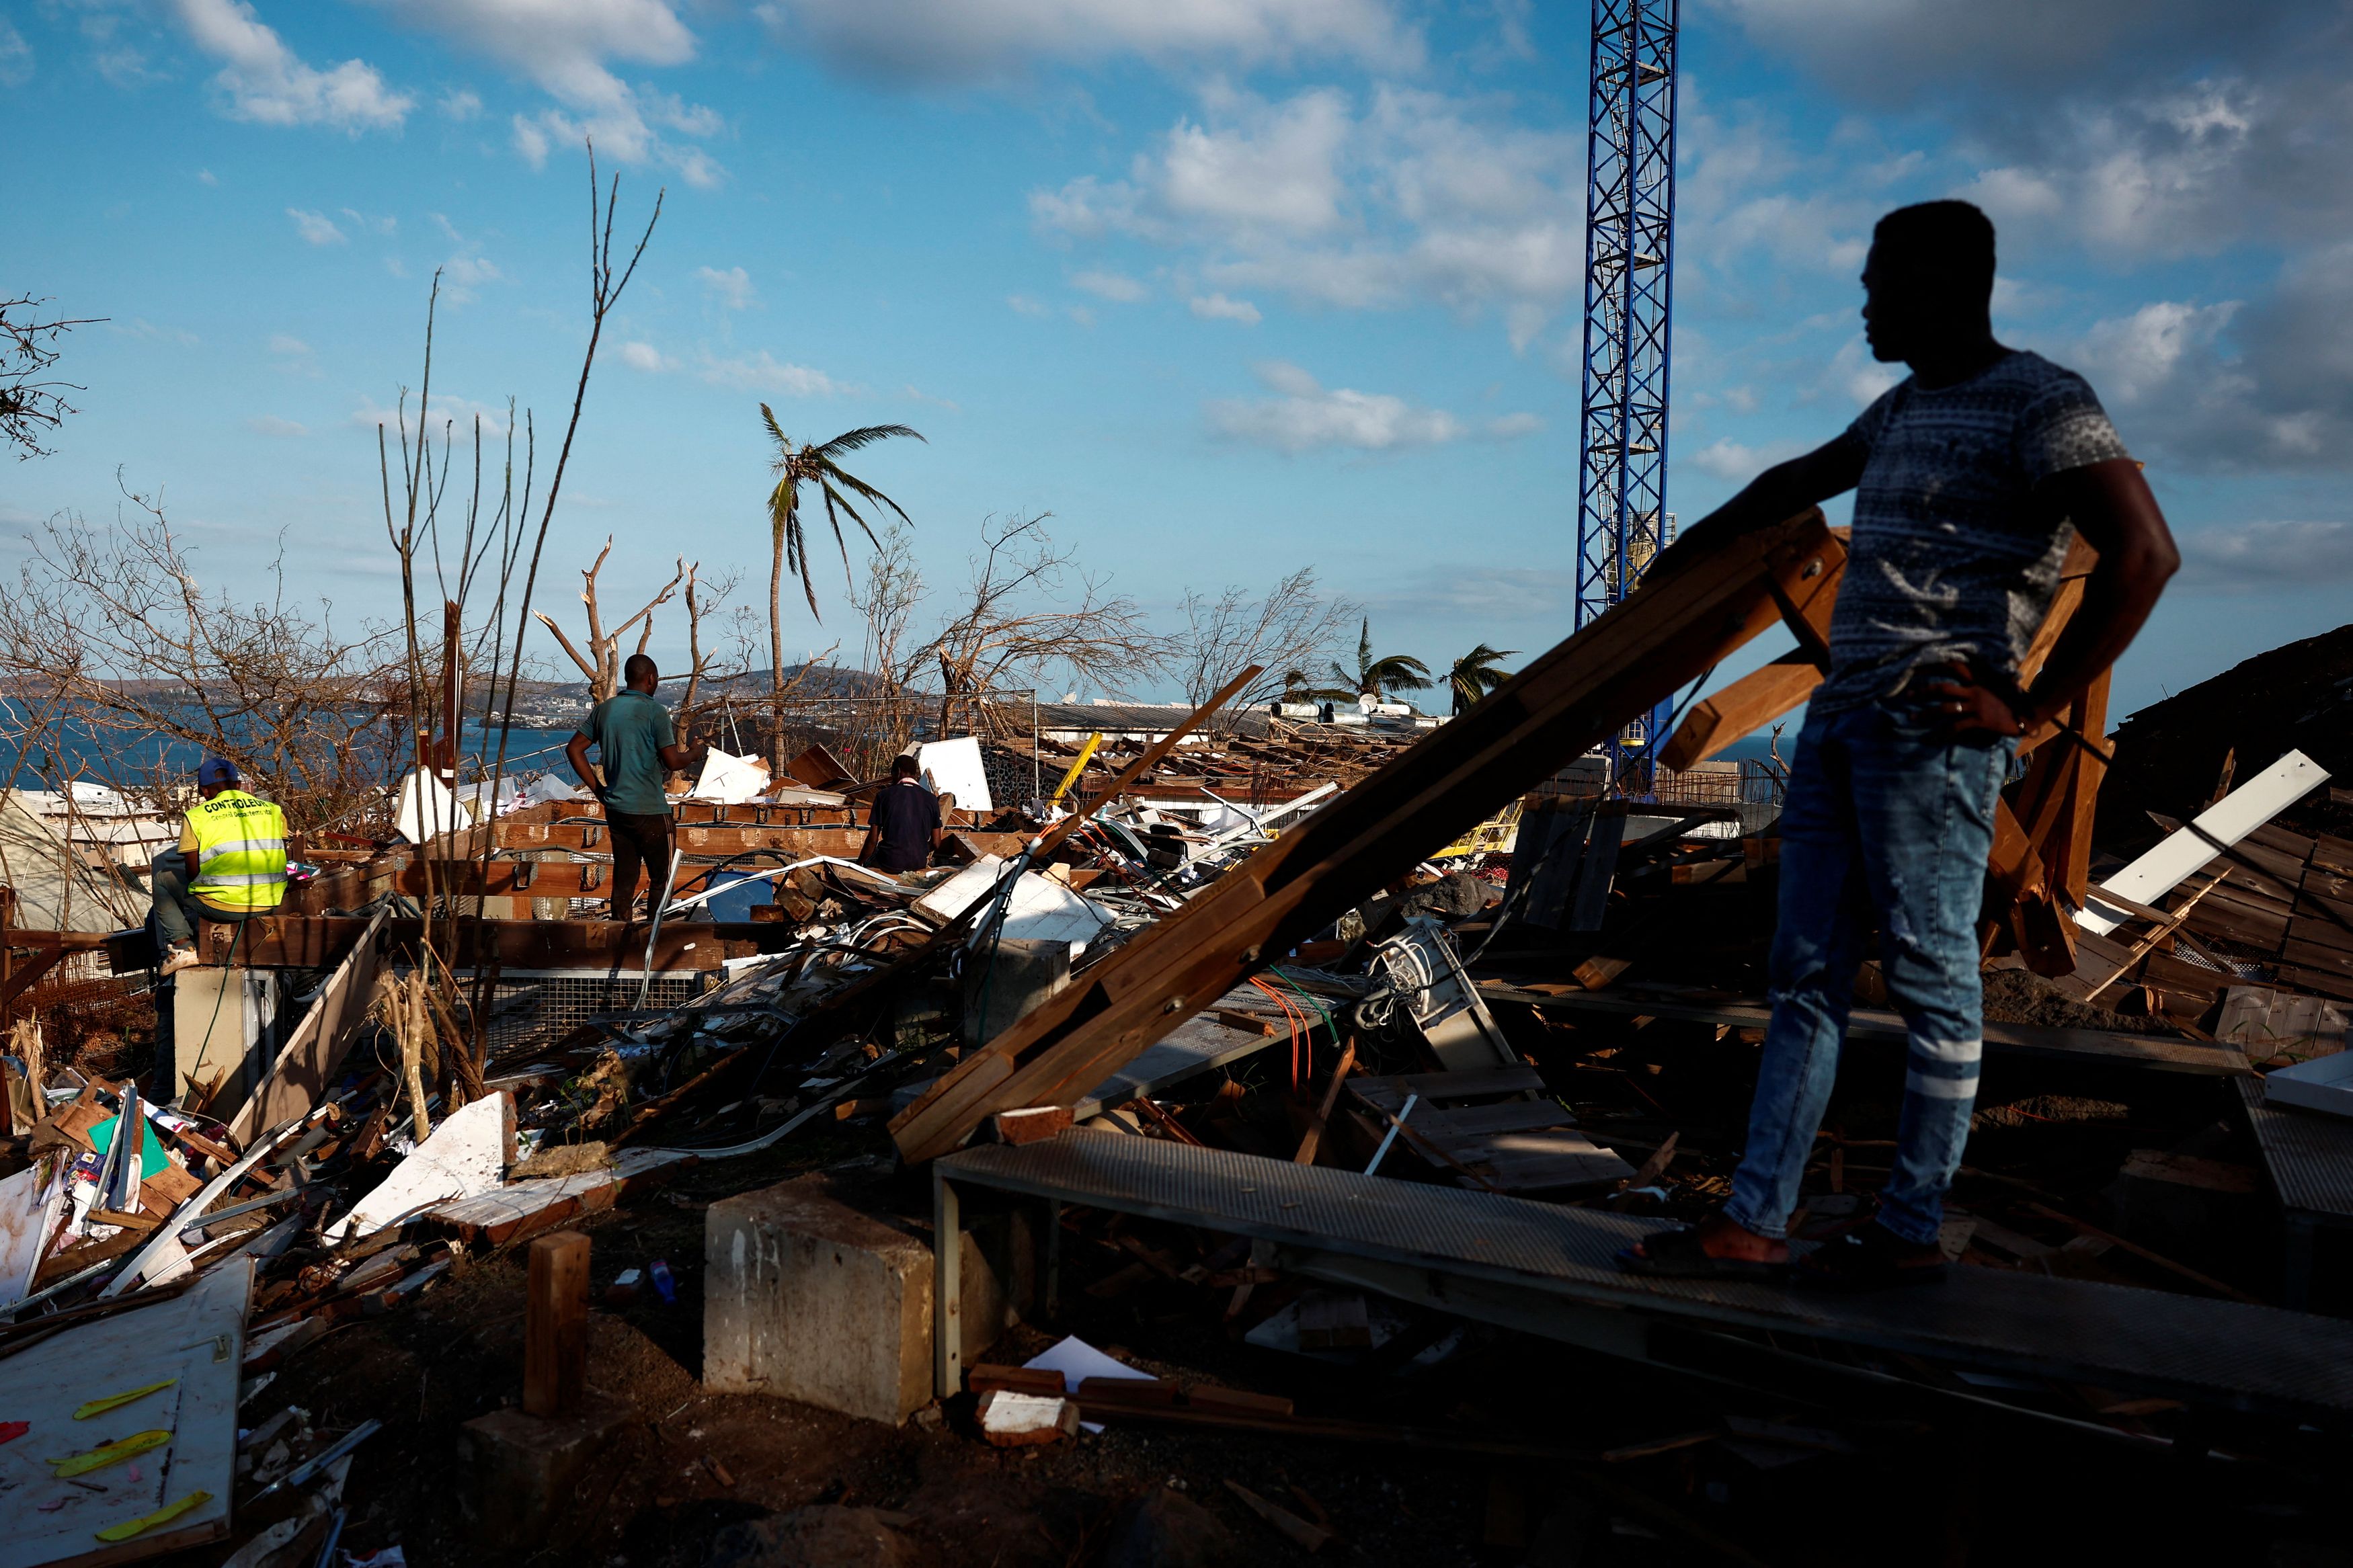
240	852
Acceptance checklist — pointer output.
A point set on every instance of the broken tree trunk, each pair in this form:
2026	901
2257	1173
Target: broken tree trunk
1676	625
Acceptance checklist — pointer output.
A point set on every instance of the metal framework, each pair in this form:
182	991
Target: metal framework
1621	517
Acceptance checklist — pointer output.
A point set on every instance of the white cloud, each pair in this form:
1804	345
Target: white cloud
461	103
316	227
265	81
270	425
1115	285
1304	416
731	289
1415	195
383	226
530	142
452	413
763	372
140	327
15	55
1218	307
920	395
462	275
2267	555
1022	305
966	40
1727	459
568	51
206	177
285	343
2267	383
644	356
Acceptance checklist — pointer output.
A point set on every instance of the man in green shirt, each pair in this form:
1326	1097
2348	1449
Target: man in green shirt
635	748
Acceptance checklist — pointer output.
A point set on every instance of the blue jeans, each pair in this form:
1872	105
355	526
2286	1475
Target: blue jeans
1886	827
174	911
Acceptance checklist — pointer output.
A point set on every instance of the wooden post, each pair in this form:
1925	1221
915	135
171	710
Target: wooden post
555	1325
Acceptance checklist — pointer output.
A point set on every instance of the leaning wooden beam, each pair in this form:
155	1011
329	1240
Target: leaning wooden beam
1742	708
1758	698
1678	624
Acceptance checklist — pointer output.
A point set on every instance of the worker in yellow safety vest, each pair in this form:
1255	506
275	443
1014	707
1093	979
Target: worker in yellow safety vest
230	866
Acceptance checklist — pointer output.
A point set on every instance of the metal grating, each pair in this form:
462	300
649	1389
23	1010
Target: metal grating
2218	1353
533	1009
2308	1154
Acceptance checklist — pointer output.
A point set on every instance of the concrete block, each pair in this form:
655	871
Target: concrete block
809	1298
522	1474
998	993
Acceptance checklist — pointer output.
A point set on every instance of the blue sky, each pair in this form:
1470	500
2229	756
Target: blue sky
1231	287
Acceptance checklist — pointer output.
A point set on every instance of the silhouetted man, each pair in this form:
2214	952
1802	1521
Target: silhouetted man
1966	475
636	750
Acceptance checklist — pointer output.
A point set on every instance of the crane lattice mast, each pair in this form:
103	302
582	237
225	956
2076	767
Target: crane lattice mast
1621	517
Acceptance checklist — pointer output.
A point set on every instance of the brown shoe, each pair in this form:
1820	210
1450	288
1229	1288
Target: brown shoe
178	956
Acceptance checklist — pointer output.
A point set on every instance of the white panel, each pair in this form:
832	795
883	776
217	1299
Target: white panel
2215	829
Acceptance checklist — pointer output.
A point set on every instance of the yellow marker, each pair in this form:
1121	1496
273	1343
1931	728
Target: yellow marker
117	1401
164	1515
113	1453
1078	767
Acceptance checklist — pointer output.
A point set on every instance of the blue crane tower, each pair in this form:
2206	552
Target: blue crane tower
1621	504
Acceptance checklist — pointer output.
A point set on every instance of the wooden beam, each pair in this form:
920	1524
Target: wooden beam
1742	708
321	942
1681	621
555	1325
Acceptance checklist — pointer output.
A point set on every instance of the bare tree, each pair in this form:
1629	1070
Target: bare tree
1290	630
887	601
112	632
1032	611
703	598
601	663
31	407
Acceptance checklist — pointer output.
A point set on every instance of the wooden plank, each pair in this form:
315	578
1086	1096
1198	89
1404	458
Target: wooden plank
2069	854
522	1209
555	1325
306	1063
1680	622
2217	828
1742	708
1485	1120
1390	1092
321	942
1529	1161
2312	955
2088	1046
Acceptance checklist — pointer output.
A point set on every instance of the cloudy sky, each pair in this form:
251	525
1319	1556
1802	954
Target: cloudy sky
1229	286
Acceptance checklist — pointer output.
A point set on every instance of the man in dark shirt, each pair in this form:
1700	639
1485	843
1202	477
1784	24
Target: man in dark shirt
636	747
905	823
1968	475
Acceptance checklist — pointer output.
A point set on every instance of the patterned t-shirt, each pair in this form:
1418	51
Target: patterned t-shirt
1951	558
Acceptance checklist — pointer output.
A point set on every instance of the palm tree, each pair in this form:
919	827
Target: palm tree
794	466
1475	674
1393	673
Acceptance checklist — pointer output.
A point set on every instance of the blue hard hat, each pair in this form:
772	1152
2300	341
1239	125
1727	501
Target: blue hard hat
215	770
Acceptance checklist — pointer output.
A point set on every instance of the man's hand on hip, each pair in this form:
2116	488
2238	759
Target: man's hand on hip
1966	709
